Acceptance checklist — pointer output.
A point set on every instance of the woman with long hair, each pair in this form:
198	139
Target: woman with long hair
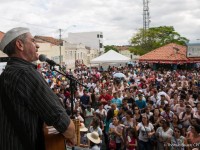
131	140
146	131
95	126
93	97
177	141
175	122
128	120
193	136
164	134
115	132
155	119
137	116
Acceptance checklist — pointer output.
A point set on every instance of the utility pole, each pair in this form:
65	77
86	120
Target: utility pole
60	45
146	19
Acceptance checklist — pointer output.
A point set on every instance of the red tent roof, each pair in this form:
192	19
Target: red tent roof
170	53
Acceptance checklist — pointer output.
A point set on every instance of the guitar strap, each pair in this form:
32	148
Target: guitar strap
15	123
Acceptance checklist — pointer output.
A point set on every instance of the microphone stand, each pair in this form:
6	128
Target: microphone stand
73	84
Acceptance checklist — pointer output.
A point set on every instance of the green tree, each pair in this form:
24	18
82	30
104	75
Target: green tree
109	47
156	37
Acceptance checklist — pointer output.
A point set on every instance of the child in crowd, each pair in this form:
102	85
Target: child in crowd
131	142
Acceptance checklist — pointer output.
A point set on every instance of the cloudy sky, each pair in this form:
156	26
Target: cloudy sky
119	20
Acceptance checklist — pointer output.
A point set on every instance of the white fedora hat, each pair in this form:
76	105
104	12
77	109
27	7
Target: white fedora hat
83	128
94	137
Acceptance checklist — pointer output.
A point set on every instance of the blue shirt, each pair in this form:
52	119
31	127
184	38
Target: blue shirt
116	101
140	103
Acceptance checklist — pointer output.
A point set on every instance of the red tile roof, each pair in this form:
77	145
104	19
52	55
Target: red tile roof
1	35
170	53
51	40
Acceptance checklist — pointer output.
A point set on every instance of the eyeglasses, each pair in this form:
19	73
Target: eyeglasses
177	131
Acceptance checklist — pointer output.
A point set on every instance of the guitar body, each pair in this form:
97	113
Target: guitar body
57	141
54	141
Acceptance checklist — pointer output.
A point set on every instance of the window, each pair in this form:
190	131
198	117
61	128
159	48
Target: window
97	35
100	45
70	54
57	59
101	36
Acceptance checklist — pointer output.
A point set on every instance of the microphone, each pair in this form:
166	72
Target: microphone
43	58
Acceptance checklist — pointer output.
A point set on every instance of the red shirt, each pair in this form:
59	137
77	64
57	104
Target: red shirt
107	97
132	142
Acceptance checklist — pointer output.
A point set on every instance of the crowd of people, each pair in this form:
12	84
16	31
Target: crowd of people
145	110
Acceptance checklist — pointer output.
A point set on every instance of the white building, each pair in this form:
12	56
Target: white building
90	39
69	52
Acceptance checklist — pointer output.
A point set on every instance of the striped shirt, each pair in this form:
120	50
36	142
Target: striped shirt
26	102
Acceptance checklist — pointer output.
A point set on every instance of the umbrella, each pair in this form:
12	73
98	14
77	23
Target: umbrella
130	63
162	93
119	75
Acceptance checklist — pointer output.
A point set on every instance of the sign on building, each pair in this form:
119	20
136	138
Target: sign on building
193	50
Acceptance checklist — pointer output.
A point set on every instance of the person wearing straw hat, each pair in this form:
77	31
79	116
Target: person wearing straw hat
83	136
94	140
26	101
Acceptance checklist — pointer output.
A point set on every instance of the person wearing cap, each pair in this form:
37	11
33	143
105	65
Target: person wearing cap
139	93
26	101
162	100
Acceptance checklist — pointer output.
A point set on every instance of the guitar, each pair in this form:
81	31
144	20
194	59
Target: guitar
53	140
56	141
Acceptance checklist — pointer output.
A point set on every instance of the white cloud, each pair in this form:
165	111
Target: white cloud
117	19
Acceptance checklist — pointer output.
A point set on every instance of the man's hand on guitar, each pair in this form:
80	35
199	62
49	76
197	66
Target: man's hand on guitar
71	142
70	134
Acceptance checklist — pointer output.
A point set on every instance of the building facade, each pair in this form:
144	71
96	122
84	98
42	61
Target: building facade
93	40
70	53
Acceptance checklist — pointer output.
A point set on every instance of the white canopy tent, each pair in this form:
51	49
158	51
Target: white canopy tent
110	57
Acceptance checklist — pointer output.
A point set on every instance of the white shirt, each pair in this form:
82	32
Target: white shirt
102	112
107	107
144	130
95	147
159	102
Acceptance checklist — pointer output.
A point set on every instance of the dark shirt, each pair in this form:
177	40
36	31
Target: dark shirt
85	99
26	102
